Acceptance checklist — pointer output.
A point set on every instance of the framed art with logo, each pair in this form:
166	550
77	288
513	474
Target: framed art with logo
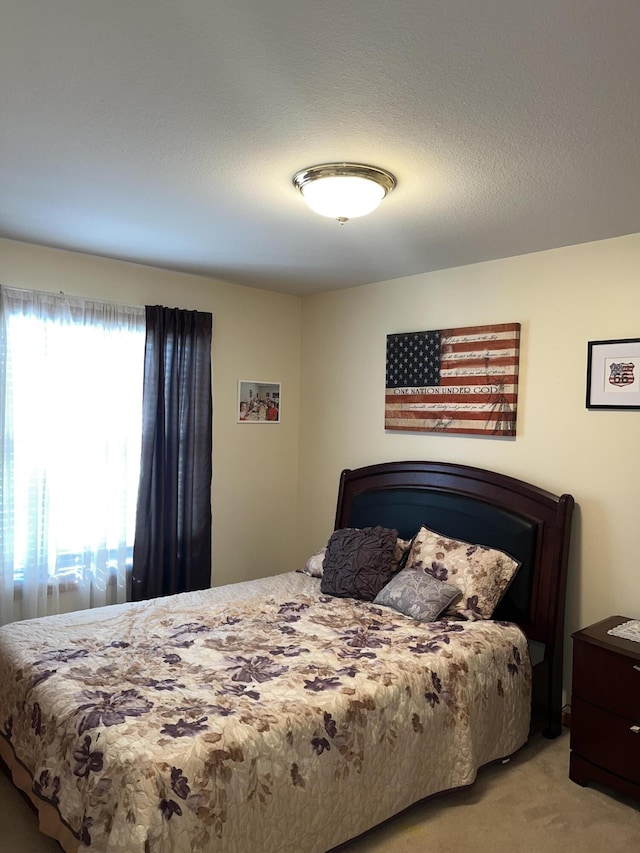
613	380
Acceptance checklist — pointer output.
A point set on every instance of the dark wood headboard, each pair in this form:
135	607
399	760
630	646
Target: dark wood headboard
485	508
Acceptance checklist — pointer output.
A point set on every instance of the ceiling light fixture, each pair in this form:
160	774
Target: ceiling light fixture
343	191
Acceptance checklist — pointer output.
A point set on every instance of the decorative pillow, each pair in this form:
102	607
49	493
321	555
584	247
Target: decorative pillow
417	594
482	574
401	554
313	566
359	562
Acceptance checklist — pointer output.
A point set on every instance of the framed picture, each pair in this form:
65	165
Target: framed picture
613	380
258	402
458	381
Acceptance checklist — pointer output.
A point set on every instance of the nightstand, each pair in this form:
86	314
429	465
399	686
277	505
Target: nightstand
605	709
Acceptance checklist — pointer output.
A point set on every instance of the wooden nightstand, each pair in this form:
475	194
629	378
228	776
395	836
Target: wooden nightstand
605	709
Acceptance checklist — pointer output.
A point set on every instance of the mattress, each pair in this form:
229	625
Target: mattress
260	716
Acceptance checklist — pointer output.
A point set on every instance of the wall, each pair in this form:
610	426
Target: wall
256	336
563	298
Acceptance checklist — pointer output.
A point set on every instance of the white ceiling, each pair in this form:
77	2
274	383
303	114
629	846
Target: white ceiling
168	132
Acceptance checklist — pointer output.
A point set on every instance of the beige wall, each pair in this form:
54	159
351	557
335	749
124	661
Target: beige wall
333	407
562	298
256	335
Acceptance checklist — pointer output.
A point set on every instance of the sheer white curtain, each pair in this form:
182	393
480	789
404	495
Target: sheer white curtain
71	377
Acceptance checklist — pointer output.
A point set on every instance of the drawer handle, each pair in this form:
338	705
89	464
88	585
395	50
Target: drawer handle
635	730
636	666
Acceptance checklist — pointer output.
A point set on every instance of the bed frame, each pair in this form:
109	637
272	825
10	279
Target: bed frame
490	509
469	503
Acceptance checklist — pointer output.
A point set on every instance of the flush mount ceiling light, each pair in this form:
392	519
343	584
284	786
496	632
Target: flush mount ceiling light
343	191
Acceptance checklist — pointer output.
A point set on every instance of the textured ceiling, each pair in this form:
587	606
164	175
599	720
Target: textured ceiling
167	133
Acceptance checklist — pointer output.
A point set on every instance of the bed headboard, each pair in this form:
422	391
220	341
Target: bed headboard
486	508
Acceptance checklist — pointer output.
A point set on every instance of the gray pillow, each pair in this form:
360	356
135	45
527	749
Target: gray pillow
417	594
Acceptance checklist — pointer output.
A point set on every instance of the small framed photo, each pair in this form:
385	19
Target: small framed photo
613	380
258	402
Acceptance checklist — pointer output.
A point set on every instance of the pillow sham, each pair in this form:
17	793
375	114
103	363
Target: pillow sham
313	566
417	594
358	562
482	574
401	554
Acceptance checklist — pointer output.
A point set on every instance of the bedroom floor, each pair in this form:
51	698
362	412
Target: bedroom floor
527	806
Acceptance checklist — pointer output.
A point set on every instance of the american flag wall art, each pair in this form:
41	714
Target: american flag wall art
461	380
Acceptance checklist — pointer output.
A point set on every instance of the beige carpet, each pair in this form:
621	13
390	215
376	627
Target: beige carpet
526	806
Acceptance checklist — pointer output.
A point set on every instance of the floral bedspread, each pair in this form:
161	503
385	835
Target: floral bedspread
258	717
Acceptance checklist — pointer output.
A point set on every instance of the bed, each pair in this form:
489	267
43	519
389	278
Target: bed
272	715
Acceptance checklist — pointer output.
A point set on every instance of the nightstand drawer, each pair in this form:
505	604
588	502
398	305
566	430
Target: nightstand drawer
605	739
607	679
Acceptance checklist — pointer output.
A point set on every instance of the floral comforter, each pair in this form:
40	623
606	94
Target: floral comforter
260	716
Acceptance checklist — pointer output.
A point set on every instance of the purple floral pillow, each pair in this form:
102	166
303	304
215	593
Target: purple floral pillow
315	564
482	574
359	562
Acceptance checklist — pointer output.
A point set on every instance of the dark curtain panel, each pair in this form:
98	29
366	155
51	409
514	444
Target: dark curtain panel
172	548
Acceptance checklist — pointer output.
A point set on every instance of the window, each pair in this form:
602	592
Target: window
71	376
